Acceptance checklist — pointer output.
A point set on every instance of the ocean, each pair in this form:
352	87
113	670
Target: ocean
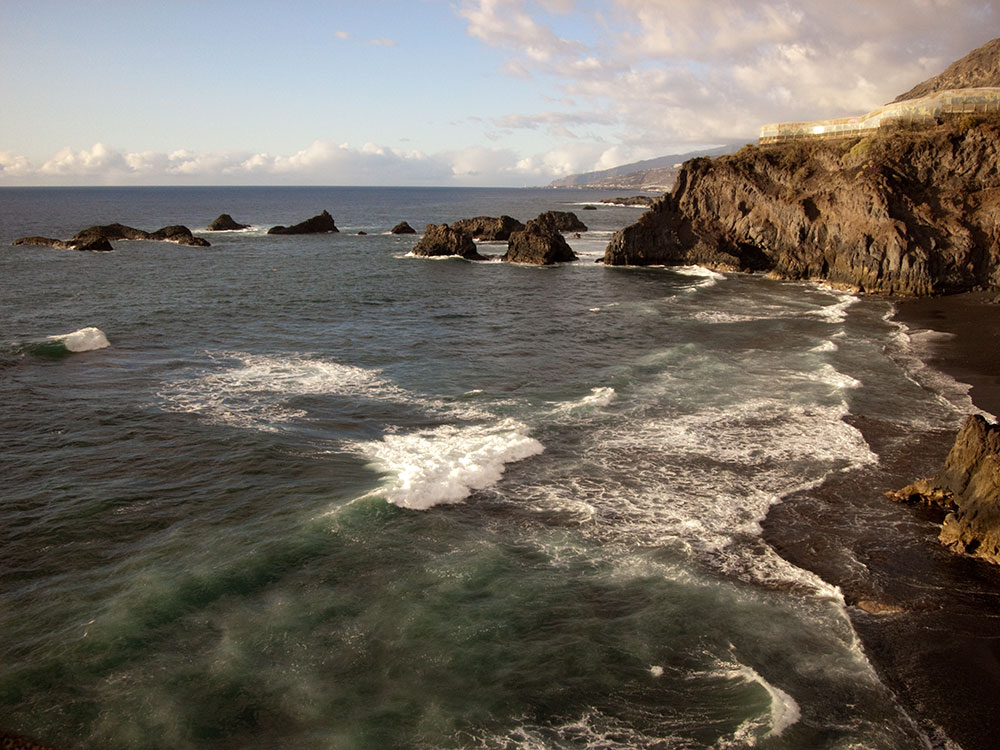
315	492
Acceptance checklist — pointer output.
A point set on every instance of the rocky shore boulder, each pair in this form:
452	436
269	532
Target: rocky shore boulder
403	228
910	212
180	234
969	487
443	240
226	223
99	244
100	237
489	228
563	221
316	225
538	243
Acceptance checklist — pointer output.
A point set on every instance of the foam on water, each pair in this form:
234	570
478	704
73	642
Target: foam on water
598	397
252	390
446	464
911	349
83	340
784	710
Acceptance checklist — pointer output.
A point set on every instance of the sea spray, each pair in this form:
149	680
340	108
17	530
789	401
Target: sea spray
84	340
446	464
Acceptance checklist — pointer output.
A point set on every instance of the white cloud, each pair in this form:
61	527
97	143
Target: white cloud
687	71
383	42
13	166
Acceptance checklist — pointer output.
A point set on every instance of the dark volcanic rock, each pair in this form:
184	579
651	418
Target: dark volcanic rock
98	238
403	228
98	244
900	212
110	232
315	225
180	234
443	240
969	486
489	228
226	223
563	221
540	244
175	233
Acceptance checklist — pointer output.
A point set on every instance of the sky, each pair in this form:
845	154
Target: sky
437	92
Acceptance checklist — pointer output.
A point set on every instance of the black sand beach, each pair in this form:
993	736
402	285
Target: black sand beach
929	620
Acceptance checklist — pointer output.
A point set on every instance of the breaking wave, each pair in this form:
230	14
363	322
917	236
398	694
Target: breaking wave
445	464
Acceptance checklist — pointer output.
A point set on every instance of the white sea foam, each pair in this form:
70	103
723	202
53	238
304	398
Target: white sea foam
446	464
252	390
826	346
84	340
597	398
698	271
784	710
911	349
837	312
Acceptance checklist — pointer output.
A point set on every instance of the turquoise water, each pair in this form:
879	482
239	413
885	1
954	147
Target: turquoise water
317	493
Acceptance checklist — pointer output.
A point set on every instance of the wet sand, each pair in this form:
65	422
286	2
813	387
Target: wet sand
929	620
970	352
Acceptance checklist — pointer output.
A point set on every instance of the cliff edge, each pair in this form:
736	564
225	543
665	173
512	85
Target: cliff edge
902	211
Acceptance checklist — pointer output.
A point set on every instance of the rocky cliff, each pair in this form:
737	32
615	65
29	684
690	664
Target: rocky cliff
969	487
908	212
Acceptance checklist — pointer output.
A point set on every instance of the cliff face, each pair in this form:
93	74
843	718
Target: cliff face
903	212
969	487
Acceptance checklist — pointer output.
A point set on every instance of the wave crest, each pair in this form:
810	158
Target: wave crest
445	464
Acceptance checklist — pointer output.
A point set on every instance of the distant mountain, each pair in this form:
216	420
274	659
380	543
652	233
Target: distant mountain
981	67
652	174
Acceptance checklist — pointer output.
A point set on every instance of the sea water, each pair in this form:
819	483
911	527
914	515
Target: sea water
315	492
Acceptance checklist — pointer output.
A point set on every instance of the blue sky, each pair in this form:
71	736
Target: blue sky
438	92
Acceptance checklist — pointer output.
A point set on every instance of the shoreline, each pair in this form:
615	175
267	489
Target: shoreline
928	619
969	351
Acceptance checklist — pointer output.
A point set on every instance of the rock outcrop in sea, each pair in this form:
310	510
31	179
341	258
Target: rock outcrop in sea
489	228
403	228
632	200
899	212
969	487
226	223
443	240
539	244
316	225
100	244
100	237
563	221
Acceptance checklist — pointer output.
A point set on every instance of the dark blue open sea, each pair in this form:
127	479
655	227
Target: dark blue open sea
318	493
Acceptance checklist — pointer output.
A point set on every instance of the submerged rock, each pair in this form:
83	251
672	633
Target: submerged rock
316	225
226	223
489	228
538	243
403	228
969	487
442	240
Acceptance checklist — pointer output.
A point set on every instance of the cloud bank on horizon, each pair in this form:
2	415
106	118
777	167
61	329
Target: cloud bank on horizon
497	92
